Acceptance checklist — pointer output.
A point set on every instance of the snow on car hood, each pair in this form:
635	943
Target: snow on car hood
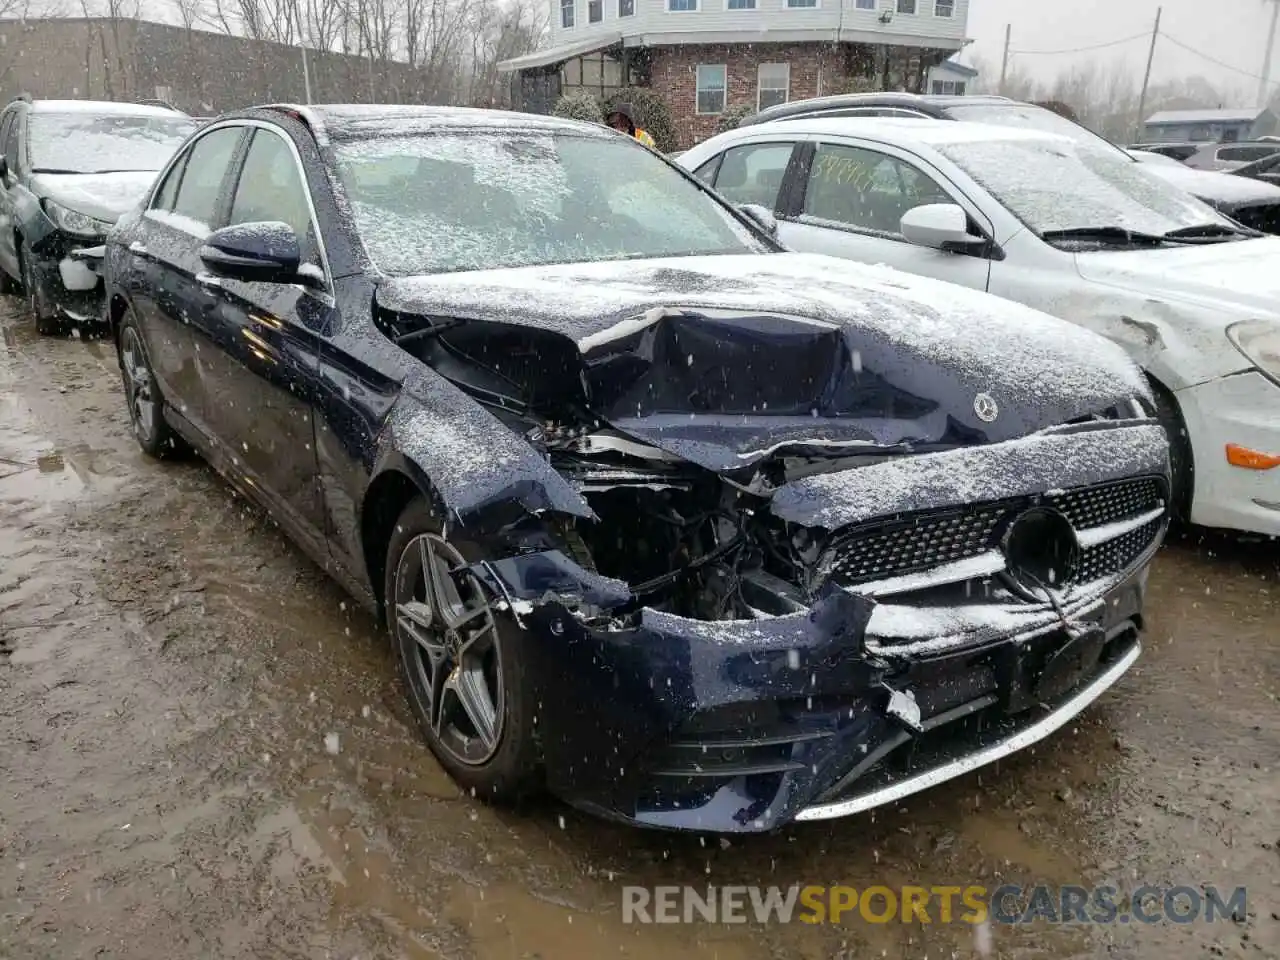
1244	275
922	354
1219	189
103	196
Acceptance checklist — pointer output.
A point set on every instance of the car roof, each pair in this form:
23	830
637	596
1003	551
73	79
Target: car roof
920	132
342	120
101	108
932	103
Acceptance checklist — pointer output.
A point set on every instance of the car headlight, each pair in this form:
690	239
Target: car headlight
1259	341
75	222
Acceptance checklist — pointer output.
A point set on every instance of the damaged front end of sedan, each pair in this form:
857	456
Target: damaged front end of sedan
764	570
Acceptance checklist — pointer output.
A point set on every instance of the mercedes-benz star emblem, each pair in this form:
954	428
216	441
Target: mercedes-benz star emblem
984	405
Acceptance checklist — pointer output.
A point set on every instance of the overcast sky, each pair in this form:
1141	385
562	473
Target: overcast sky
1232	31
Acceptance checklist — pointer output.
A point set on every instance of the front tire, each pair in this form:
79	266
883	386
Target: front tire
46	317
142	394
458	657
1181	460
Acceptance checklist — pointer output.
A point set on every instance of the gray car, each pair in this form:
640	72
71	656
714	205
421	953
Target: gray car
68	170
1231	156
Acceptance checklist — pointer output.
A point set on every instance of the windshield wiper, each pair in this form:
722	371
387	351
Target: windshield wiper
1210	232
1117	235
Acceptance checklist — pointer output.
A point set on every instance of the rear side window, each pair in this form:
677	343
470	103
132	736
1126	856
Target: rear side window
754	173
206	168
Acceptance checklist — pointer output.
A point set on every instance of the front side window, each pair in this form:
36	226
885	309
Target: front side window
1058	184
453	201
206	168
566	13
944	8
9	141
682	6
773	83
168	192
1246	154
626	8
271	187
711	85
85	142
754	173
866	190
906	6
595	11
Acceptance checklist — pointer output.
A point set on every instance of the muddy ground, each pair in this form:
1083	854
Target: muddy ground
170	667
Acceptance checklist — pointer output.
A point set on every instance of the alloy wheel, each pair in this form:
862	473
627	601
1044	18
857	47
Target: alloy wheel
138	385
456	656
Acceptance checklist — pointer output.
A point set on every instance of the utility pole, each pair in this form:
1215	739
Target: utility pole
306	72
1004	62
1146	77
1265	82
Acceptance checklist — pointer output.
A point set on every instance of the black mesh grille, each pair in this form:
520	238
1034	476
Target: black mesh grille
1115	555
881	551
920	544
1095	506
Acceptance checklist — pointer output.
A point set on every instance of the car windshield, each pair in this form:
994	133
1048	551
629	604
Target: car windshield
452	201
1027	116
92	143
1056	184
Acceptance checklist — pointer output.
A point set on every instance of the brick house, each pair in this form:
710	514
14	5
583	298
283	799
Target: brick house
704	57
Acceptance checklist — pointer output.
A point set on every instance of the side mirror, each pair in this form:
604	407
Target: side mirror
265	252
944	226
762	216
4	168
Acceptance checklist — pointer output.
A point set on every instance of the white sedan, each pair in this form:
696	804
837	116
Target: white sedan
1071	229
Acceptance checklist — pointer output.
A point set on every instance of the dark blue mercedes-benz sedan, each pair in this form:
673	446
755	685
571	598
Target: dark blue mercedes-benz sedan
693	531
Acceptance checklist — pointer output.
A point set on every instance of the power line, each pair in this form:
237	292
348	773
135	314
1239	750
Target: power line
1204	56
1096	46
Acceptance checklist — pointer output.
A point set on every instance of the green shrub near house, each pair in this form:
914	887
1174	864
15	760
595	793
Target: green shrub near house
652	114
733	116
579	106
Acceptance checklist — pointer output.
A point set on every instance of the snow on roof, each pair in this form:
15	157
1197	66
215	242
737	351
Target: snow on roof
956	67
102	108
341	119
1242	115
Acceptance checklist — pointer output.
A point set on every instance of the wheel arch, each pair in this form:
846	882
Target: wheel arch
390	491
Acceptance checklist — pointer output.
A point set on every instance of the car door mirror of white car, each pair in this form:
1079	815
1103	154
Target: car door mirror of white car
944	226
761	216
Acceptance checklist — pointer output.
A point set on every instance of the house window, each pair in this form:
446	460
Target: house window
566	13
773	83
944	8
682	6
907	6
595	11
626	8
710	87
802	4
865	4
948	88
739	4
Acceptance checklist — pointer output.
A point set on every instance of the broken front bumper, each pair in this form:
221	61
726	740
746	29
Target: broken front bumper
745	726
68	275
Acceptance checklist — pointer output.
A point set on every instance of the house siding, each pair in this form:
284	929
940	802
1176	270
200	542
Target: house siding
652	20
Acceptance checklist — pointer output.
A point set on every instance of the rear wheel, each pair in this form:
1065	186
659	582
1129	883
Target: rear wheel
146	406
458	657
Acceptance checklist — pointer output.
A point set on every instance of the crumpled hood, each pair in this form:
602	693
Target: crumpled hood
720	351
1243	277
103	196
1220	189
